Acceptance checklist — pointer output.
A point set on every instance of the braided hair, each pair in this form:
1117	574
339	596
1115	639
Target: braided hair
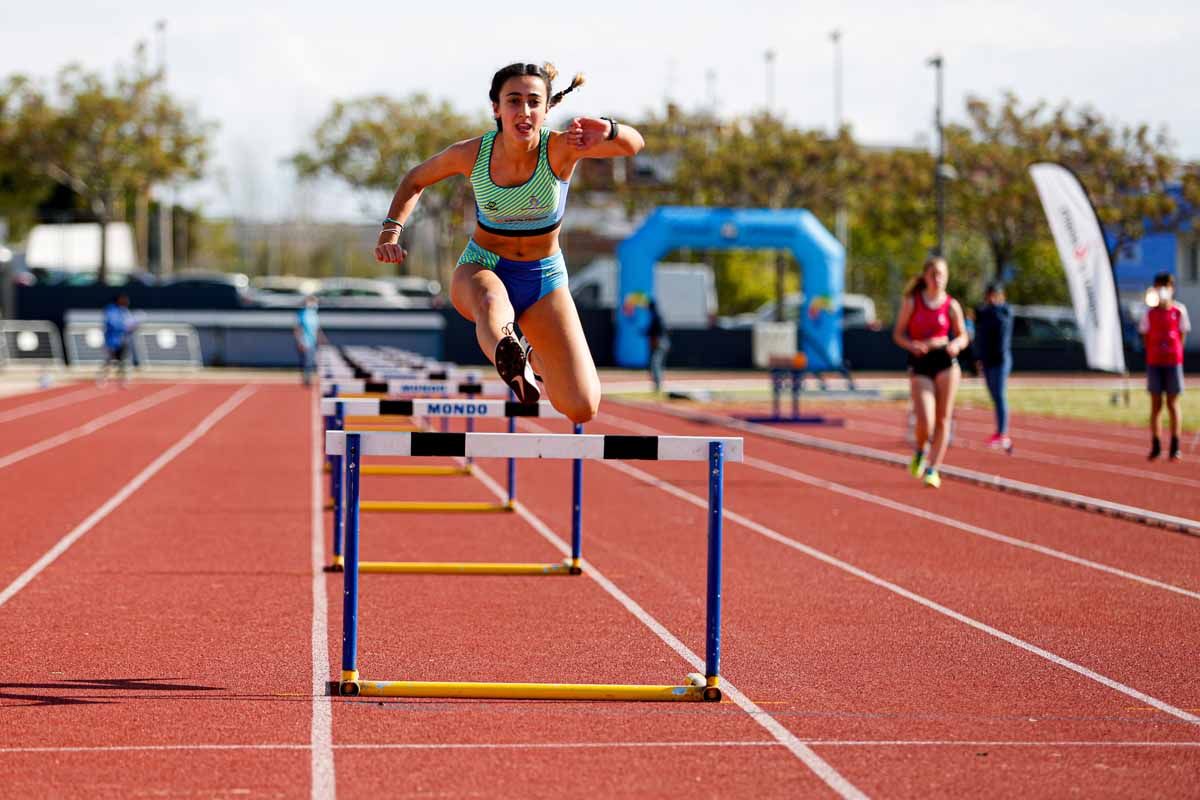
547	72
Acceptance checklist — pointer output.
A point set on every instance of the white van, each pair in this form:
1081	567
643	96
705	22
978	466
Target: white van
686	294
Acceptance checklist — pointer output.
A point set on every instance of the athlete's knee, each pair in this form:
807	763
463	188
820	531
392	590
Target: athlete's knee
580	407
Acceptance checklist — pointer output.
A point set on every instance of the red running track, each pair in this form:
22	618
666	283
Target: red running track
879	645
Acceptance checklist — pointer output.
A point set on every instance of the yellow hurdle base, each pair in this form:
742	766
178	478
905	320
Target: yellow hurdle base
466	568
697	689
381	427
449	506
406	469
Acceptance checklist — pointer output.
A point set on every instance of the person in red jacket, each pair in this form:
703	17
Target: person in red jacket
1164	327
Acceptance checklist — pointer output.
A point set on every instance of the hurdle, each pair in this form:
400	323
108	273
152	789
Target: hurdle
785	370
337	409
716	451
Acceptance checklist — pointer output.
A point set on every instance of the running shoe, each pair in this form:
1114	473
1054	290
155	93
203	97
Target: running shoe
932	479
994	440
1155	449
917	465
514	369
1175	454
1006	445
528	348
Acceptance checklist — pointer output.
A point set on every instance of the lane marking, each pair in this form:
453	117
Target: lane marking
123	494
67	398
1047	458
426	746
324	781
93	425
821	768
894	505
1092	505
894	588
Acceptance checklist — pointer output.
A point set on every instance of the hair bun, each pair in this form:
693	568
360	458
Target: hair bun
550	70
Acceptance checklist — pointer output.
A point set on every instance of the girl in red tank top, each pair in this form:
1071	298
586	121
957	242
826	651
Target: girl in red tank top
1164	327
929	323
930	327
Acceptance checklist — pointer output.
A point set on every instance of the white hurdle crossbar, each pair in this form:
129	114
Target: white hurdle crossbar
351	447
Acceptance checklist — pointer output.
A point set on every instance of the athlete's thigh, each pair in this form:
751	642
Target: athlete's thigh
553	329
946	386
470	284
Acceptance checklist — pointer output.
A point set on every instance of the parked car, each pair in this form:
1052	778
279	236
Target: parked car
858	311
360	293
203	289
1044	326
282	291
420	292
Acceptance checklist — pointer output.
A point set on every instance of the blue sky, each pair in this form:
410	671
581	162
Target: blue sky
267	72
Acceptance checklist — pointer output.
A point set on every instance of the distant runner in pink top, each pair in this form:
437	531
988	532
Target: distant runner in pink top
930	327
1164	327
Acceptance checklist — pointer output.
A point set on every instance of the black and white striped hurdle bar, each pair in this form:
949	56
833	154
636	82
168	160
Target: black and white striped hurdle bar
372	407
529	445
484	388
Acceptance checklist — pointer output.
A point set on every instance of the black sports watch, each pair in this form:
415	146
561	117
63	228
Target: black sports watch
612	134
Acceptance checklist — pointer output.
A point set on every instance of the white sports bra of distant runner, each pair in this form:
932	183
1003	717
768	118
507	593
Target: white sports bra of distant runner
531	209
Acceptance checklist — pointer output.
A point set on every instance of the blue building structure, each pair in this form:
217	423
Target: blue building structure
1178	252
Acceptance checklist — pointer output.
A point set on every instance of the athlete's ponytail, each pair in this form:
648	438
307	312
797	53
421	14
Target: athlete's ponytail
547	72
576	82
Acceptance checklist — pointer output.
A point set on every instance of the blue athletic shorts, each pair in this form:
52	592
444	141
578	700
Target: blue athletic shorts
526	281
1167	380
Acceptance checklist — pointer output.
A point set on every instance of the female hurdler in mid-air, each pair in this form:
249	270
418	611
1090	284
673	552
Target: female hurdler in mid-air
512	270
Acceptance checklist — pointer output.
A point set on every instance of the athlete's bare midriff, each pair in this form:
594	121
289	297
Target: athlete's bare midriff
518	248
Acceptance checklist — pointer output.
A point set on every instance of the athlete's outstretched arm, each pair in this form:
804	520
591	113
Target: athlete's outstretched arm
588	137
457	159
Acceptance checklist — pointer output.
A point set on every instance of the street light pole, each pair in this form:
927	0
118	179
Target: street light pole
836	37
770	59
938	177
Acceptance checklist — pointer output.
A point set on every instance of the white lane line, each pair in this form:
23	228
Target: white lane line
324	783
121	496
966	527
167	748
93	425
77	395
812	552
818	765
1049	458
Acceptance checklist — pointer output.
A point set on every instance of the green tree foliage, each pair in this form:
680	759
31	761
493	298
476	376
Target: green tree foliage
25	116
106	142
1125	169
371	142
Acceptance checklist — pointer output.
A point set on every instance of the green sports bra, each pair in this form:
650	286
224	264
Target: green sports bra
531	209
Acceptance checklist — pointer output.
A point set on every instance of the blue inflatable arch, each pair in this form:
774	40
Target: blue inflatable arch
821	257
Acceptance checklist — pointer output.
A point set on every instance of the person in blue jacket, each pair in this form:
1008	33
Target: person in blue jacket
118	324
993	349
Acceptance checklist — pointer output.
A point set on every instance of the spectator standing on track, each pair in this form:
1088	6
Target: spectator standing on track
1164	326
513	270
993	349
660	344
118	324
930	326
308	334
